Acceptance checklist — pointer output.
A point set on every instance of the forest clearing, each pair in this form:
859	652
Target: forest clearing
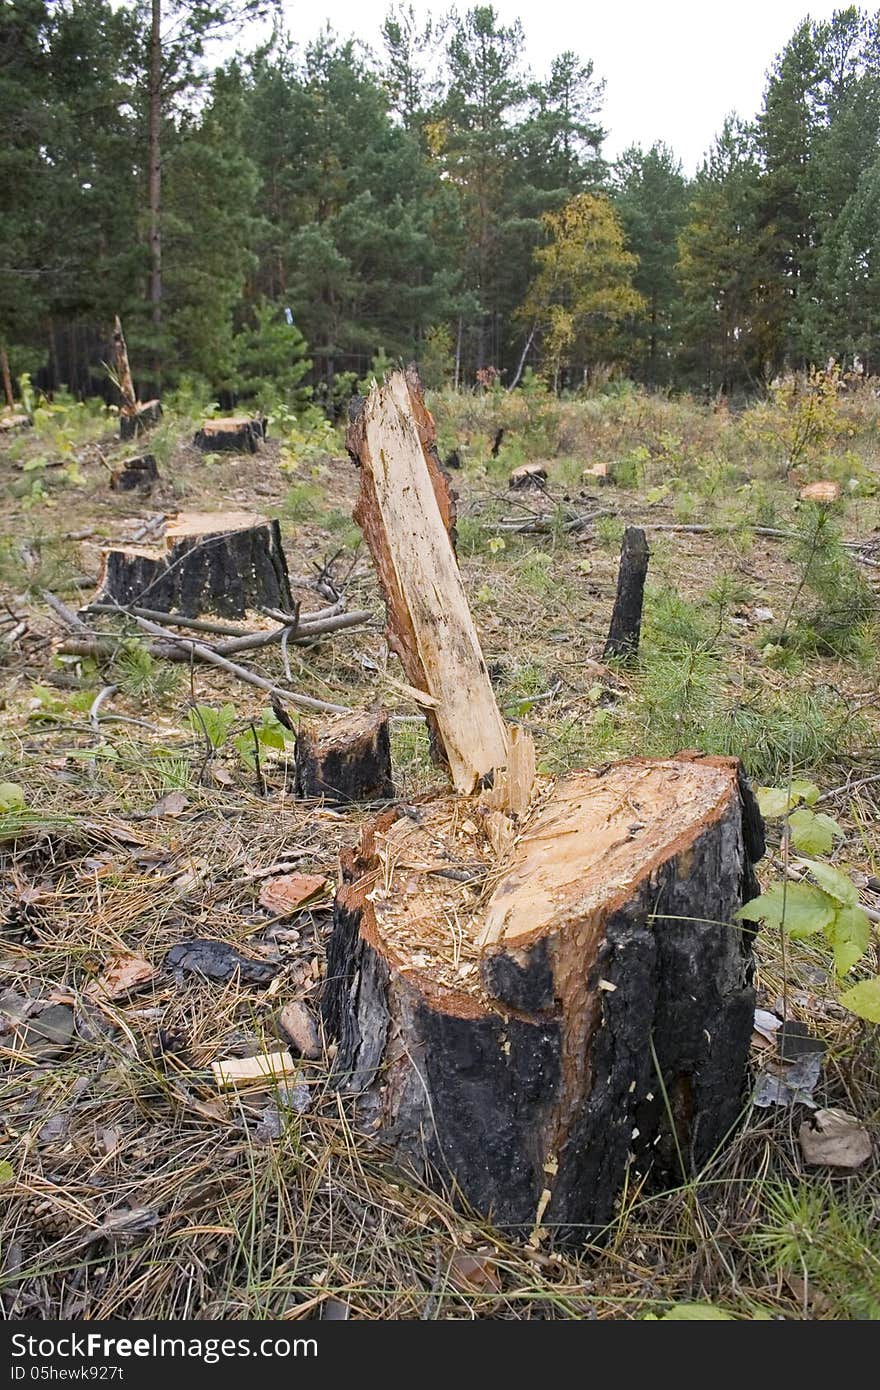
139	819
439	649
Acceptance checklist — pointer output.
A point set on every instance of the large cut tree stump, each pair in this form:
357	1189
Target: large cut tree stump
235	435
347	759
533	986
498	1022
222	562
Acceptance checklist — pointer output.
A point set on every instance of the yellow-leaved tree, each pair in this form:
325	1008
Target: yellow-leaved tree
583	289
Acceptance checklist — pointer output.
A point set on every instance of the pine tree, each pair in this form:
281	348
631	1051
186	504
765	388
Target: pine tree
651	196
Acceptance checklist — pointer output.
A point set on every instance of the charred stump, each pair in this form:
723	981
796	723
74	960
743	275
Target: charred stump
136	475
234	435
528	475
626	617
142	418
522	1034
224	563
347	759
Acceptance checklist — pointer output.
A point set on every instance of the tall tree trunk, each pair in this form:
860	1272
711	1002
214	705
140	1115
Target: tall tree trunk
155	160
7	379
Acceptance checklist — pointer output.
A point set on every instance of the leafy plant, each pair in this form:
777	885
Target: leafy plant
212	724
827	905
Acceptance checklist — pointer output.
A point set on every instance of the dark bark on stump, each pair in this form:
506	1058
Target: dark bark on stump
528	475
626	618
346	760
223	572
237	436
530	1094
143	419
136	475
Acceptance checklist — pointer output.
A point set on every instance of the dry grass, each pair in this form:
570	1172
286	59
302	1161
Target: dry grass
135	1190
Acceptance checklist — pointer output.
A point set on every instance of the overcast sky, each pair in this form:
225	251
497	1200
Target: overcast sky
673	68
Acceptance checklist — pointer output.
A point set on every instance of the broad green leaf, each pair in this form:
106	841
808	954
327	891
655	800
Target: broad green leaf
832	881
864	999
213	724
6	1172
271	735
850	935
696	1312
802	909
812	832
807	792
11	796
773	802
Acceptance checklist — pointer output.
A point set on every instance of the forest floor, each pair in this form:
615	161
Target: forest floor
131	1186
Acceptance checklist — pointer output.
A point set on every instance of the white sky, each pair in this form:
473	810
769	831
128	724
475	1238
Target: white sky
673	68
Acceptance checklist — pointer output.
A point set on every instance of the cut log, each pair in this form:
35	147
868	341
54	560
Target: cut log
501	1023
626	617
15	422
347	759
528	475
406	513
221	562
144	418
236	435
136	475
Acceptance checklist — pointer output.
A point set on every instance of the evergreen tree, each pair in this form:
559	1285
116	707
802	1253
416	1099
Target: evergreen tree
652	199
733	307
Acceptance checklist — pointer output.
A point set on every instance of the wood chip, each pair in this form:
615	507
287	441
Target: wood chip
474	1273
243	1071
122	975
286	894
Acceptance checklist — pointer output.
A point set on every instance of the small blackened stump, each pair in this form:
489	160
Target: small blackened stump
136	475
140	419
235	435
347	759
222	562
626	618
504	1046
528	475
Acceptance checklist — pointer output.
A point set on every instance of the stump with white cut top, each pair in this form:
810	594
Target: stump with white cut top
210	562
535	984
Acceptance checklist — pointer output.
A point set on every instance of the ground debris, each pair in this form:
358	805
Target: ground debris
298	1026
834	1139
217	960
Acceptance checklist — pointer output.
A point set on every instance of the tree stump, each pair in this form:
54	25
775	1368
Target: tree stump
533	986
224	563
347	759
528	475
499	1022
136	475
139	420
235	435
626	617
